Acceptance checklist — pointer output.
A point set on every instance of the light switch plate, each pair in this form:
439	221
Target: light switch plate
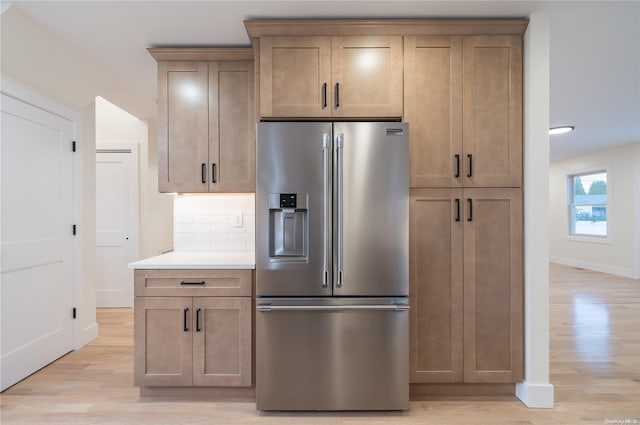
238	221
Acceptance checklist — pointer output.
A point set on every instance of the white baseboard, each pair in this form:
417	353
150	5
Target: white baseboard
535	396
87	335
39	351
618	271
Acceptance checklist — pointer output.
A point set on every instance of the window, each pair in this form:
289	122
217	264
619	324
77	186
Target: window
588	204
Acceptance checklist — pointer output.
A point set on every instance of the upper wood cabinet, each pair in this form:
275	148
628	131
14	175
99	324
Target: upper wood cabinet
295	77
367	76
232	128
206	123
463	100
183	126
492	110
433	109
339	76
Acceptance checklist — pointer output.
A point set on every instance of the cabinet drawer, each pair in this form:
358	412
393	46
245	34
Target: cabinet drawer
167	283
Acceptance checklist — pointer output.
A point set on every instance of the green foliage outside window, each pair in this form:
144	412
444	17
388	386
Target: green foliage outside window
598	187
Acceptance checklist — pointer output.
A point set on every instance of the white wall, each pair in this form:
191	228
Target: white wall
617	255
159	210
114	124
39	59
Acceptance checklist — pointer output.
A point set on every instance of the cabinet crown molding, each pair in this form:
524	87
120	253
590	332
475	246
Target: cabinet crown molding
201	53
289	27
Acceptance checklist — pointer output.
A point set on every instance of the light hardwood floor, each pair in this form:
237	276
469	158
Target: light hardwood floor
595	368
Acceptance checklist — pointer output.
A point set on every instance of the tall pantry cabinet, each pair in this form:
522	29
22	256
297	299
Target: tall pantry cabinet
463	100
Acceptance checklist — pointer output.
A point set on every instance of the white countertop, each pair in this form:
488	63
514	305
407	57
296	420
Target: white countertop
198	260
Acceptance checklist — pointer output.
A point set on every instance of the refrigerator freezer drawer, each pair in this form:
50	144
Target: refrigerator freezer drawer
323	356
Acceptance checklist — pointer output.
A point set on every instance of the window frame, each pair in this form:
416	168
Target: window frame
581	237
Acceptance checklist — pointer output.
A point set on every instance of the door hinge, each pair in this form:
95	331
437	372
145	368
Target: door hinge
74	313
74	230
73	146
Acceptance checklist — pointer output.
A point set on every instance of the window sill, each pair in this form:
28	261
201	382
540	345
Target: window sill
605	240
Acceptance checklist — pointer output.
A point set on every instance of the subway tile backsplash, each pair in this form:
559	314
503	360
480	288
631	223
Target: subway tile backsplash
214	222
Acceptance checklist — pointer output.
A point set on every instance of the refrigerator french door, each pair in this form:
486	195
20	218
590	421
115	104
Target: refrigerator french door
332	274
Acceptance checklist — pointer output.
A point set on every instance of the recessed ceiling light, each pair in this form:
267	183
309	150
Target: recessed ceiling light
560	130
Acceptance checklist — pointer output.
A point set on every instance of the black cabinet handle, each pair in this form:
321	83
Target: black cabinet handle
470	201
457	156
184	319
457	209
198	320
203	172
337	95
470	173
213	172
324	95
192	282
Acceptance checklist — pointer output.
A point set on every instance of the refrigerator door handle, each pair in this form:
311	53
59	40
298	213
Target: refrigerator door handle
339	159
326	162
387	307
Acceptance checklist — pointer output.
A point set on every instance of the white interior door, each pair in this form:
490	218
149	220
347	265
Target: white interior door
37	242
116	223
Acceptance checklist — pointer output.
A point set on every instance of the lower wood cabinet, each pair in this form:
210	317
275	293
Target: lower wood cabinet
199	341
466	286
222	342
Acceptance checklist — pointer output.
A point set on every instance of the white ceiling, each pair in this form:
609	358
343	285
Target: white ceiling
595	48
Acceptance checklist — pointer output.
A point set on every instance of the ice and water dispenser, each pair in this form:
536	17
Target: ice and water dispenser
288	226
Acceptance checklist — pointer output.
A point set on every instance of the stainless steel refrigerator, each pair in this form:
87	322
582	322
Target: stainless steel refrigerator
332	268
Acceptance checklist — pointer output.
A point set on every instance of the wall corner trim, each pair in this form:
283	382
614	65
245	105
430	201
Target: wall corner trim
87	335
535	396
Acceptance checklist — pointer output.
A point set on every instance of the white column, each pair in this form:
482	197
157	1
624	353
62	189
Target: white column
536	391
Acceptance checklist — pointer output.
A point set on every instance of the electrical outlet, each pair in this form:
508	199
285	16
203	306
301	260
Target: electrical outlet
238	221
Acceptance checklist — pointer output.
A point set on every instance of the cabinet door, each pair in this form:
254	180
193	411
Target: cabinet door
182	127
433	106
436	286
232	138
493	285
492	134
295	75
222	342
367	76
162	341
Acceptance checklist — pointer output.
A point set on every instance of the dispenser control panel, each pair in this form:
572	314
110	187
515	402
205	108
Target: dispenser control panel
288	200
